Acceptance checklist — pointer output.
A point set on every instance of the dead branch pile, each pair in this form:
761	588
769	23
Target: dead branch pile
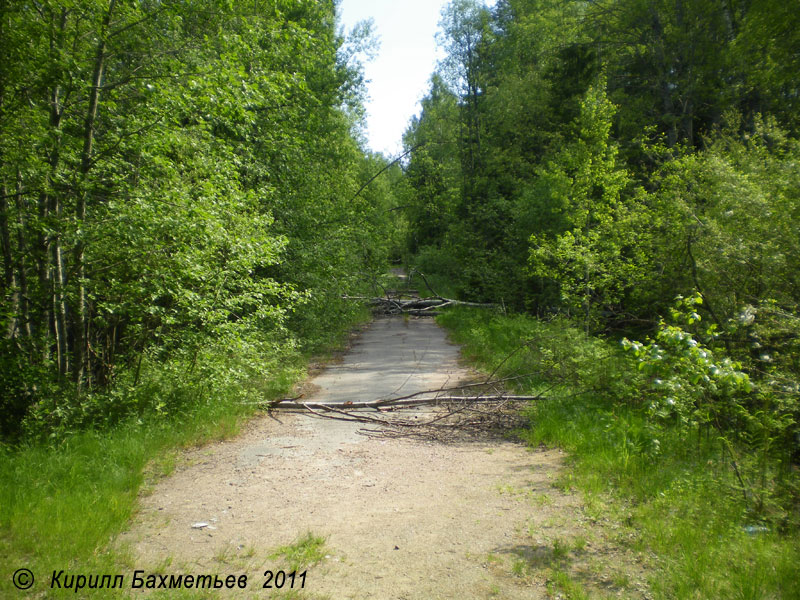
407	301
420	307
454	411
450	419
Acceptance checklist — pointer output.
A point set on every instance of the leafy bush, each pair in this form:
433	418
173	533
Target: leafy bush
692	385
695	388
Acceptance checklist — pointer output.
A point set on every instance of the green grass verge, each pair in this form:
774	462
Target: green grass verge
63	503
676	493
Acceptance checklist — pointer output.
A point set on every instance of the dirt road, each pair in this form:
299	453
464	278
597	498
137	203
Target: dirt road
401	518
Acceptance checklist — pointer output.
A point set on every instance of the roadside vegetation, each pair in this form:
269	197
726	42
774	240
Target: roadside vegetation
620	178
715	514
65	501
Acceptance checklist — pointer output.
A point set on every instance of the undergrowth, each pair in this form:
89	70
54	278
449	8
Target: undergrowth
672	484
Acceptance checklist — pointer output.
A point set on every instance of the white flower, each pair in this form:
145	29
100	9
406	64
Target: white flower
748	315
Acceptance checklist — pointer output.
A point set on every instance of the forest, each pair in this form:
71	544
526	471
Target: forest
187	199
179	201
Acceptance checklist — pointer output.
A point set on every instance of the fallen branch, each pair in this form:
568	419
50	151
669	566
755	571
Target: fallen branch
457	418
424	279
493	384
435	400
419	306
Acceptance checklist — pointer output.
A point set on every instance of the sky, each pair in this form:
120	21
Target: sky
399	76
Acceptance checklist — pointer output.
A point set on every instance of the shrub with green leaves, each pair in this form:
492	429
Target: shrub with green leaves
694	388
692	385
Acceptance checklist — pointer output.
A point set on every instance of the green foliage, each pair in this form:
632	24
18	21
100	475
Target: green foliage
609	159
628	197
588	243
182	207
47	489
730	212
433	170
162	204
613	155
549	354
693	385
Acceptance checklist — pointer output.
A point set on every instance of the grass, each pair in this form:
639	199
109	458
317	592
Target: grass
306	551
570	589
63	503
674	495
62	506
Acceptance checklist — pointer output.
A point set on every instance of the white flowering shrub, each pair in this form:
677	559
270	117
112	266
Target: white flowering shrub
692	385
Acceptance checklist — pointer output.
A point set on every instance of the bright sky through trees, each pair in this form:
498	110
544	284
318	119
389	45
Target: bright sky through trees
400	74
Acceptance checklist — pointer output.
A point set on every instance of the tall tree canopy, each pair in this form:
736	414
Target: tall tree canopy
569	120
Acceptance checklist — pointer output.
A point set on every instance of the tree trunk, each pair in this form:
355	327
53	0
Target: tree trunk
22	250
50	205
82	371
668	116
9	278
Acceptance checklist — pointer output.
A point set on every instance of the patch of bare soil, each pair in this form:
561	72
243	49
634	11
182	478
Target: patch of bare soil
403	518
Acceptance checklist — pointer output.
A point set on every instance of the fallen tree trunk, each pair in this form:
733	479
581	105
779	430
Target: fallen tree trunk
416	306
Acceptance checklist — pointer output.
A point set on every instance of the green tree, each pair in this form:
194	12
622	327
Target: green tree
433	171
589	244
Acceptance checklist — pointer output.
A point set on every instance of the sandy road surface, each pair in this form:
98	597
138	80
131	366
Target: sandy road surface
403	519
